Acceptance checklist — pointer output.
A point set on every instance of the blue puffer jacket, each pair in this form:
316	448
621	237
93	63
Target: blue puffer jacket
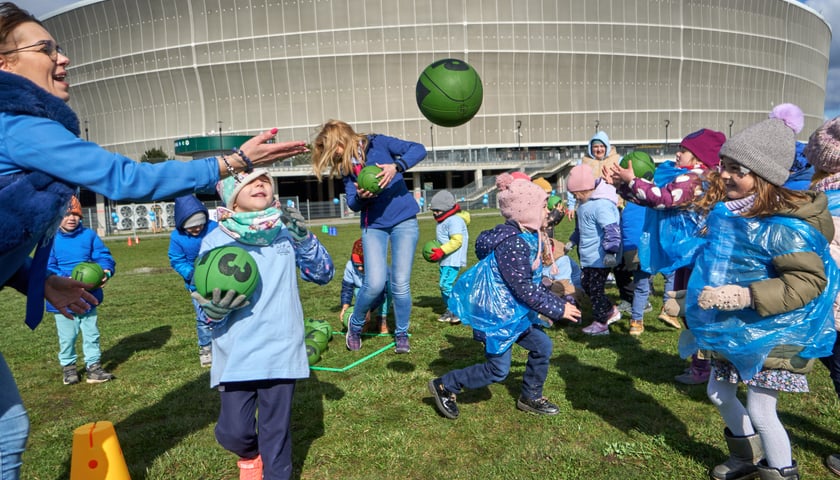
183	247
73	248
394	204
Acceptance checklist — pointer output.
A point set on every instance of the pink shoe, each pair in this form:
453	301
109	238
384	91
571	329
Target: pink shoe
597	328
615	315
250	468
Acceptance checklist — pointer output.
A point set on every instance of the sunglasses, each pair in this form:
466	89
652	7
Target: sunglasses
48	48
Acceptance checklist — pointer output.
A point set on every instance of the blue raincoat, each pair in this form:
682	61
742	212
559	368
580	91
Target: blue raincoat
739	251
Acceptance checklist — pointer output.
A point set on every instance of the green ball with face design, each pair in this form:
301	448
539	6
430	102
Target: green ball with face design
367	179
88	272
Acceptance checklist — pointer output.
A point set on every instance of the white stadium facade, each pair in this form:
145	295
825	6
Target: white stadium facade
147	74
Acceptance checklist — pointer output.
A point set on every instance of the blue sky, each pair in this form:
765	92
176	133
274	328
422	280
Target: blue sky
832	16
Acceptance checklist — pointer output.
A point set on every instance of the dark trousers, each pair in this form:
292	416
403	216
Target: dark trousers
238	423
832	363
497	366
593	280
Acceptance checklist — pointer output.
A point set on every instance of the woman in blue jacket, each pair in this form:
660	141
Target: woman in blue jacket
42	161
387	216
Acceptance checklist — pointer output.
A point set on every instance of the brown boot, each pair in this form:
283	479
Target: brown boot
383	325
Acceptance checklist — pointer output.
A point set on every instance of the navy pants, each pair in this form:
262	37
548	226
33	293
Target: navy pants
497	367
238	423
832	363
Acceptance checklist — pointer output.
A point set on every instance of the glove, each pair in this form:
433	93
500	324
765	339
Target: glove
436	255
294	221
610	260
631	260
568	247
219	307
726	297
675	305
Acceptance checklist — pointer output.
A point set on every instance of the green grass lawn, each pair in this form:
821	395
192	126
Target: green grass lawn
622	416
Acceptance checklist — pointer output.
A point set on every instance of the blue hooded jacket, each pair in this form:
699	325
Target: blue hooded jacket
73	248
183	247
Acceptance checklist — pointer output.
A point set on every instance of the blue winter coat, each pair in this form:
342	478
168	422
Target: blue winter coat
183	247
73	248
394	204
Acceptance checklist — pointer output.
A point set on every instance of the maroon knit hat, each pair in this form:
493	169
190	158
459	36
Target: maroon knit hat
705	145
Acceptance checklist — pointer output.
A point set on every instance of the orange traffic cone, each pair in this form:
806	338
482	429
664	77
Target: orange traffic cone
136	239
129	241
97	454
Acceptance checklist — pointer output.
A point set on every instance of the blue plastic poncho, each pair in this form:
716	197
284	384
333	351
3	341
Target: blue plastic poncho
670	237
739	251
481	300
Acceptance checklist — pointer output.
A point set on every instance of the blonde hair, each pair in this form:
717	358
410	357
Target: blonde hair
771	199
335	134
714	192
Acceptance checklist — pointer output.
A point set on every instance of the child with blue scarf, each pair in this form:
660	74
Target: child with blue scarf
258	343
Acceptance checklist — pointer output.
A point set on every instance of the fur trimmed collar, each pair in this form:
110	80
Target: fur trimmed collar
19	96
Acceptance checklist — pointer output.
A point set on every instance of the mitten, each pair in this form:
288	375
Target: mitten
610	260
568	247
436	255
554	217
294	221
726	297
675	305
220	306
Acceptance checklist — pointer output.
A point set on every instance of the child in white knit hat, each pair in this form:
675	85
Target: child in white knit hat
500	298
761	293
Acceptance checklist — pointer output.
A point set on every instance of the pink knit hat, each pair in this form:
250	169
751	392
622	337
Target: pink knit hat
521	201
520	175
581	179
705	145
823	150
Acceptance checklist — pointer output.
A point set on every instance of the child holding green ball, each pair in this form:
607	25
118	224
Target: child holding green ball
258	342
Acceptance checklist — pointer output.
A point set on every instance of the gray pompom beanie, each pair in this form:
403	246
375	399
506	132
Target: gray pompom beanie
443	201
768	148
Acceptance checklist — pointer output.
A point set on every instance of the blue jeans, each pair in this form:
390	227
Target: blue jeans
640	294
202	328
497	367
14	425
403	238
68	332
669	285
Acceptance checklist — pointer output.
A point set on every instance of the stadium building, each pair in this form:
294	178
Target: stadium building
190	76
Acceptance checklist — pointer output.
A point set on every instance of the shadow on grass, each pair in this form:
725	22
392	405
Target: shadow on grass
152	431
425	301
613	397
153	339
308	416
818	439
463	352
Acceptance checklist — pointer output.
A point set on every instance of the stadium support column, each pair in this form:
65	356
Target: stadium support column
479	178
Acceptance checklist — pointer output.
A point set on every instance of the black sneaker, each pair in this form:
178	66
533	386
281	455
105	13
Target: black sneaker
95	374
444	399
71	376
540	406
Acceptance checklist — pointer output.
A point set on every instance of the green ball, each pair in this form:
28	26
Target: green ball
367	179
226	268
553	200
313	354
449	92
643	165
428	247
319	338
322	326
345	320
88	272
